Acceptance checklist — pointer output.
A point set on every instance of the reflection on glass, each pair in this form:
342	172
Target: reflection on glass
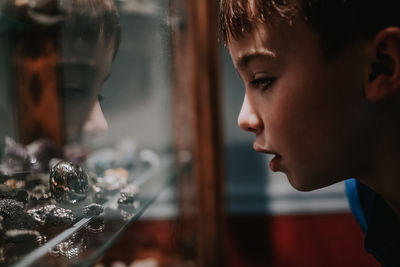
61	50
58	54
71	248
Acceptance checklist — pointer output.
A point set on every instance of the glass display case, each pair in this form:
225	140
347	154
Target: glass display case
104	105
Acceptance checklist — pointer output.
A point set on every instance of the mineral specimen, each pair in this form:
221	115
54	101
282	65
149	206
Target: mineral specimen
68	249
92	210
39	193
14	216
100	195
96	225
128	195
41	152
68	182
15	158
59	217
113	179
19	242
72	247
15	184
51	215
124	155
16	194
128	211
23	236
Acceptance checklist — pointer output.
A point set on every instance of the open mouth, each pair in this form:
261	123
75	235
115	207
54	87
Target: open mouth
274	164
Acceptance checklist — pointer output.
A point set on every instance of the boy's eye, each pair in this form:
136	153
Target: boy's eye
100	98
75	93
262	83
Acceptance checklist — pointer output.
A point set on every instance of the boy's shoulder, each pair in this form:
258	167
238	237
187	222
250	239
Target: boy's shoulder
377	220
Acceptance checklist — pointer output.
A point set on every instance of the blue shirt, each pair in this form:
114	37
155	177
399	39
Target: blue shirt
377	220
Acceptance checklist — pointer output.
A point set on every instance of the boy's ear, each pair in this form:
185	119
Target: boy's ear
384	78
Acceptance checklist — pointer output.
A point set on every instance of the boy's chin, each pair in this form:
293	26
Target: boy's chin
305	184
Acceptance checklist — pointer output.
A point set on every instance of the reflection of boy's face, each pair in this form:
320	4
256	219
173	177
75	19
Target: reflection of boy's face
84	69
307	111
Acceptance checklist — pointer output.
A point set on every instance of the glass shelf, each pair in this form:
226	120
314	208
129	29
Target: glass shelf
81	244
90	73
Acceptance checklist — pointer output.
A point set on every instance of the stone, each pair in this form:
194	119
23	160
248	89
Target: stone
96	225
19	242
41	152
40	193
92	210
51	215
68	182
16	194
14	216
23	236
113	179
128	195
15	158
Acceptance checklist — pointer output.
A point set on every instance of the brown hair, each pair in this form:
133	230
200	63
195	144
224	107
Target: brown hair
239	16
86	19
338	22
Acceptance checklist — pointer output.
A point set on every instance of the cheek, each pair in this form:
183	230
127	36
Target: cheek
315	140
300	125
289	116
74	122
77	111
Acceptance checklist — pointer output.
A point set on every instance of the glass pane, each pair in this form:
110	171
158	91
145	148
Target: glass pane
86	132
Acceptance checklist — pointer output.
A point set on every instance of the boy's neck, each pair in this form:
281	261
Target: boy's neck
385	177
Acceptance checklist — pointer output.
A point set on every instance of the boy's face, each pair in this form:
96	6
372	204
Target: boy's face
307	111
84	69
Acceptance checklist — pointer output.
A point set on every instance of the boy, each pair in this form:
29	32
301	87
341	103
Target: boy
322	82
59	50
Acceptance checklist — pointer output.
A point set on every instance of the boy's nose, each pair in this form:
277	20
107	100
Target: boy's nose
248	120
96	121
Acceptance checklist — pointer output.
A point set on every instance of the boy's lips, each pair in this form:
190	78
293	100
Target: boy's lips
261	149
274	164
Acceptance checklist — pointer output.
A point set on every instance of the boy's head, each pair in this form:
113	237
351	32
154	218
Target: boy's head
321	87
337	22
89	20
84	35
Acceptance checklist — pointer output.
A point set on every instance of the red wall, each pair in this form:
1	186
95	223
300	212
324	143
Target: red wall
327	240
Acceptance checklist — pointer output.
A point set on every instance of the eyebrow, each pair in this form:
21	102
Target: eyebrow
244	59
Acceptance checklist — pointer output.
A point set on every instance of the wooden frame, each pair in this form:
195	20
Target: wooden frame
197	121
